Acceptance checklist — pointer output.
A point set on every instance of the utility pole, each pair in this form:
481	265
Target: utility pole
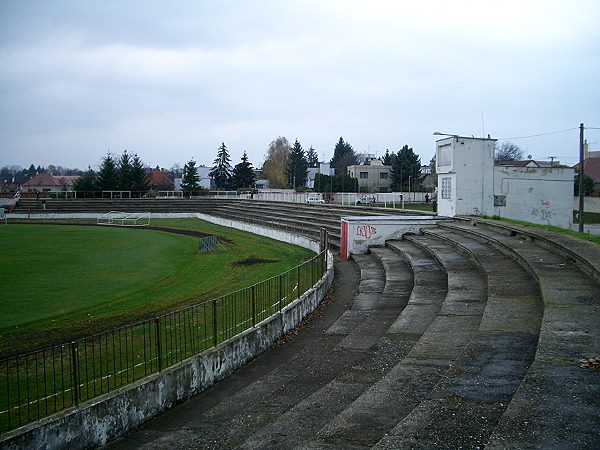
581	173
552	160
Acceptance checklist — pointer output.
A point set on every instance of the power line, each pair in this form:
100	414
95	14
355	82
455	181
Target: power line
540	134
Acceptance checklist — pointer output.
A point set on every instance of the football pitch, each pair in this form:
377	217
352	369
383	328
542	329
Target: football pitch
59	282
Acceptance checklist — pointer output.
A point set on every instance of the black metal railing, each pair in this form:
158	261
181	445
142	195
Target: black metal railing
37	384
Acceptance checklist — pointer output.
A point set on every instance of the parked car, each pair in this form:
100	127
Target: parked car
315	198
365	200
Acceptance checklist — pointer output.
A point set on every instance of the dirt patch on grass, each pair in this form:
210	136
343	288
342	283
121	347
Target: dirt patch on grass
251	261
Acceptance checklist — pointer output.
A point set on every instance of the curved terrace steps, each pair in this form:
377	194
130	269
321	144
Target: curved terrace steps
288	405
364	327
285	218
157	205
283	222
466	405
380	406
448	343
557	403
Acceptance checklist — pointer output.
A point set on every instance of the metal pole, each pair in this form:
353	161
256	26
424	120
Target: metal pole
158	343
253	305
581	174
75	370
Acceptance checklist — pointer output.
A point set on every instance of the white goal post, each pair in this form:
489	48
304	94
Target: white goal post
123	219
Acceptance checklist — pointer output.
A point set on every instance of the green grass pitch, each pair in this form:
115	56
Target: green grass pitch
58	282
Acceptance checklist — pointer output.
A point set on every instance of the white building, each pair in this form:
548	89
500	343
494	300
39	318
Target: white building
205	181
323	169
470	184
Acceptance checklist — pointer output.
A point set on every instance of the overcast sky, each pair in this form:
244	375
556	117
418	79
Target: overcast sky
171	80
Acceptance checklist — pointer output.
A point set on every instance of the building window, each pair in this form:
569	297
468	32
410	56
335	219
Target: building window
364	175
383	175
446	187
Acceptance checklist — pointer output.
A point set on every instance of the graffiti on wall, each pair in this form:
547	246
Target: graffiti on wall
544	212
365	231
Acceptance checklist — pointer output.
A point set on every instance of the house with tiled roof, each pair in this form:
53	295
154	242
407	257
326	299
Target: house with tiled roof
44	182
159	181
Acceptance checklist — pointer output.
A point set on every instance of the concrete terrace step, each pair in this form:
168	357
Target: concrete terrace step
364	328
283	222
127	205
585	254
379	408
288	405
468	403
557	404
280	222
440	339
331	209
289	214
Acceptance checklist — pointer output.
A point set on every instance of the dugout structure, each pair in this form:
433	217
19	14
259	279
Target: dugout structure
124	219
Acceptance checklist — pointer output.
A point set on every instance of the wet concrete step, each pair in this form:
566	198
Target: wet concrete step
379	408
470	400
442	337
283	223
289	404
557	404
364	326
584	253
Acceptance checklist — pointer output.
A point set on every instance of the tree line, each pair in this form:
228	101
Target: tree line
124	173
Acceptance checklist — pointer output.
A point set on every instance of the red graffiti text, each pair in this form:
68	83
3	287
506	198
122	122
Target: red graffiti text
365	231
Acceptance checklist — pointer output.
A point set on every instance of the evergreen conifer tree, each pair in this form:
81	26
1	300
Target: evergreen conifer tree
108	177
190	181
221	172
312	158
87	182
124	172
297	167
406	168
343	156
243	173
139	179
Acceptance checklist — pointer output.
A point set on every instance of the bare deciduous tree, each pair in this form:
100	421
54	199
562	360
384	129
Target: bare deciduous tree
508	151
276	162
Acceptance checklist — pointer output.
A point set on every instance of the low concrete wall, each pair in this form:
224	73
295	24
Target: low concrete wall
590	204
300	241
69	216
104	418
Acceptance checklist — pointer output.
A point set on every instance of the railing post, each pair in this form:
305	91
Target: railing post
214	303
280	291
253	305
158	343
298	282
75	369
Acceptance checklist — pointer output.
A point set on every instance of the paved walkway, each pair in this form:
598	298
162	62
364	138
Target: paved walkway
589	228
265	388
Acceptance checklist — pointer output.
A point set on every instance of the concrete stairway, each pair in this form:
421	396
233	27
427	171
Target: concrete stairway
557	403
467	336
464	337
155	205
297	217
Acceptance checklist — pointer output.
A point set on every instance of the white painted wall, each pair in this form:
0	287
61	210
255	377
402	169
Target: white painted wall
468	163
537	195
533	194
365	231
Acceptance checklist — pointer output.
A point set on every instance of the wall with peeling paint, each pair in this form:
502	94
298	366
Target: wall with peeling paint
540	195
